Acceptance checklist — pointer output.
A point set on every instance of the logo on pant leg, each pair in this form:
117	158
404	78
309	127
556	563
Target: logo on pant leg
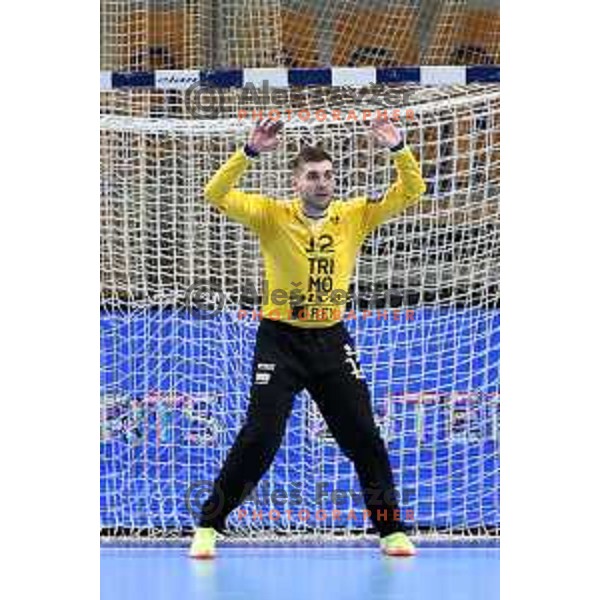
349	350
351	360
264	371
266	366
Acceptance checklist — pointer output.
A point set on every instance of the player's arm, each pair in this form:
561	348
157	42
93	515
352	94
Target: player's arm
409	184
250	209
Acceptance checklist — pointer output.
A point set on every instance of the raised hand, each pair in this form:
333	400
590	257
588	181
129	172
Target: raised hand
264	137
385	133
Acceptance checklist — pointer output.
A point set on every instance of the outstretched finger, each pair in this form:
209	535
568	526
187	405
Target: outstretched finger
274	127
376	124
373	133
381	118
376	128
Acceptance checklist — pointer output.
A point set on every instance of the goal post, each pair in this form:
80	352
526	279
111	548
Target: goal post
179	283
182	82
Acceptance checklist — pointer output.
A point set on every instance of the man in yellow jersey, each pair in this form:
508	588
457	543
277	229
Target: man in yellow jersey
309	246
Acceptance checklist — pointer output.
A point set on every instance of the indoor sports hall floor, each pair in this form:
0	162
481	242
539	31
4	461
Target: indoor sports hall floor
436	573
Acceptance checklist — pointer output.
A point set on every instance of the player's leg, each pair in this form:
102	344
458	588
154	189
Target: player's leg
343	398
345	406
275	380
252	452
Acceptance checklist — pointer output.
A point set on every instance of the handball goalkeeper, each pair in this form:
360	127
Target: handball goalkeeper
309	247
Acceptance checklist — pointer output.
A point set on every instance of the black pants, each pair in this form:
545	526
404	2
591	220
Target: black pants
288	359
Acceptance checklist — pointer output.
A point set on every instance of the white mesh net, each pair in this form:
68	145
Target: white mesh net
175	370
186	34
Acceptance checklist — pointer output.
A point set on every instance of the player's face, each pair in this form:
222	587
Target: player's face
313	182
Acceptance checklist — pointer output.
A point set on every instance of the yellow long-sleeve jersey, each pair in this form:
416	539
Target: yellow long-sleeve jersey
308	265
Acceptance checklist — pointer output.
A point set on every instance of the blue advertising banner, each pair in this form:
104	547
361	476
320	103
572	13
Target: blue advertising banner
174	388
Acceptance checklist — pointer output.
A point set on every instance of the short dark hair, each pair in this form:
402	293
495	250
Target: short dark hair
309	154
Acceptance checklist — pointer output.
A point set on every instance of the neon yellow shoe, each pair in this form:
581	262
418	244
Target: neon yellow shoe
203	544
397	544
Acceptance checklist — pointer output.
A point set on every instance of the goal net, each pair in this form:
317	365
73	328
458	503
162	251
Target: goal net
139	35
176	352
